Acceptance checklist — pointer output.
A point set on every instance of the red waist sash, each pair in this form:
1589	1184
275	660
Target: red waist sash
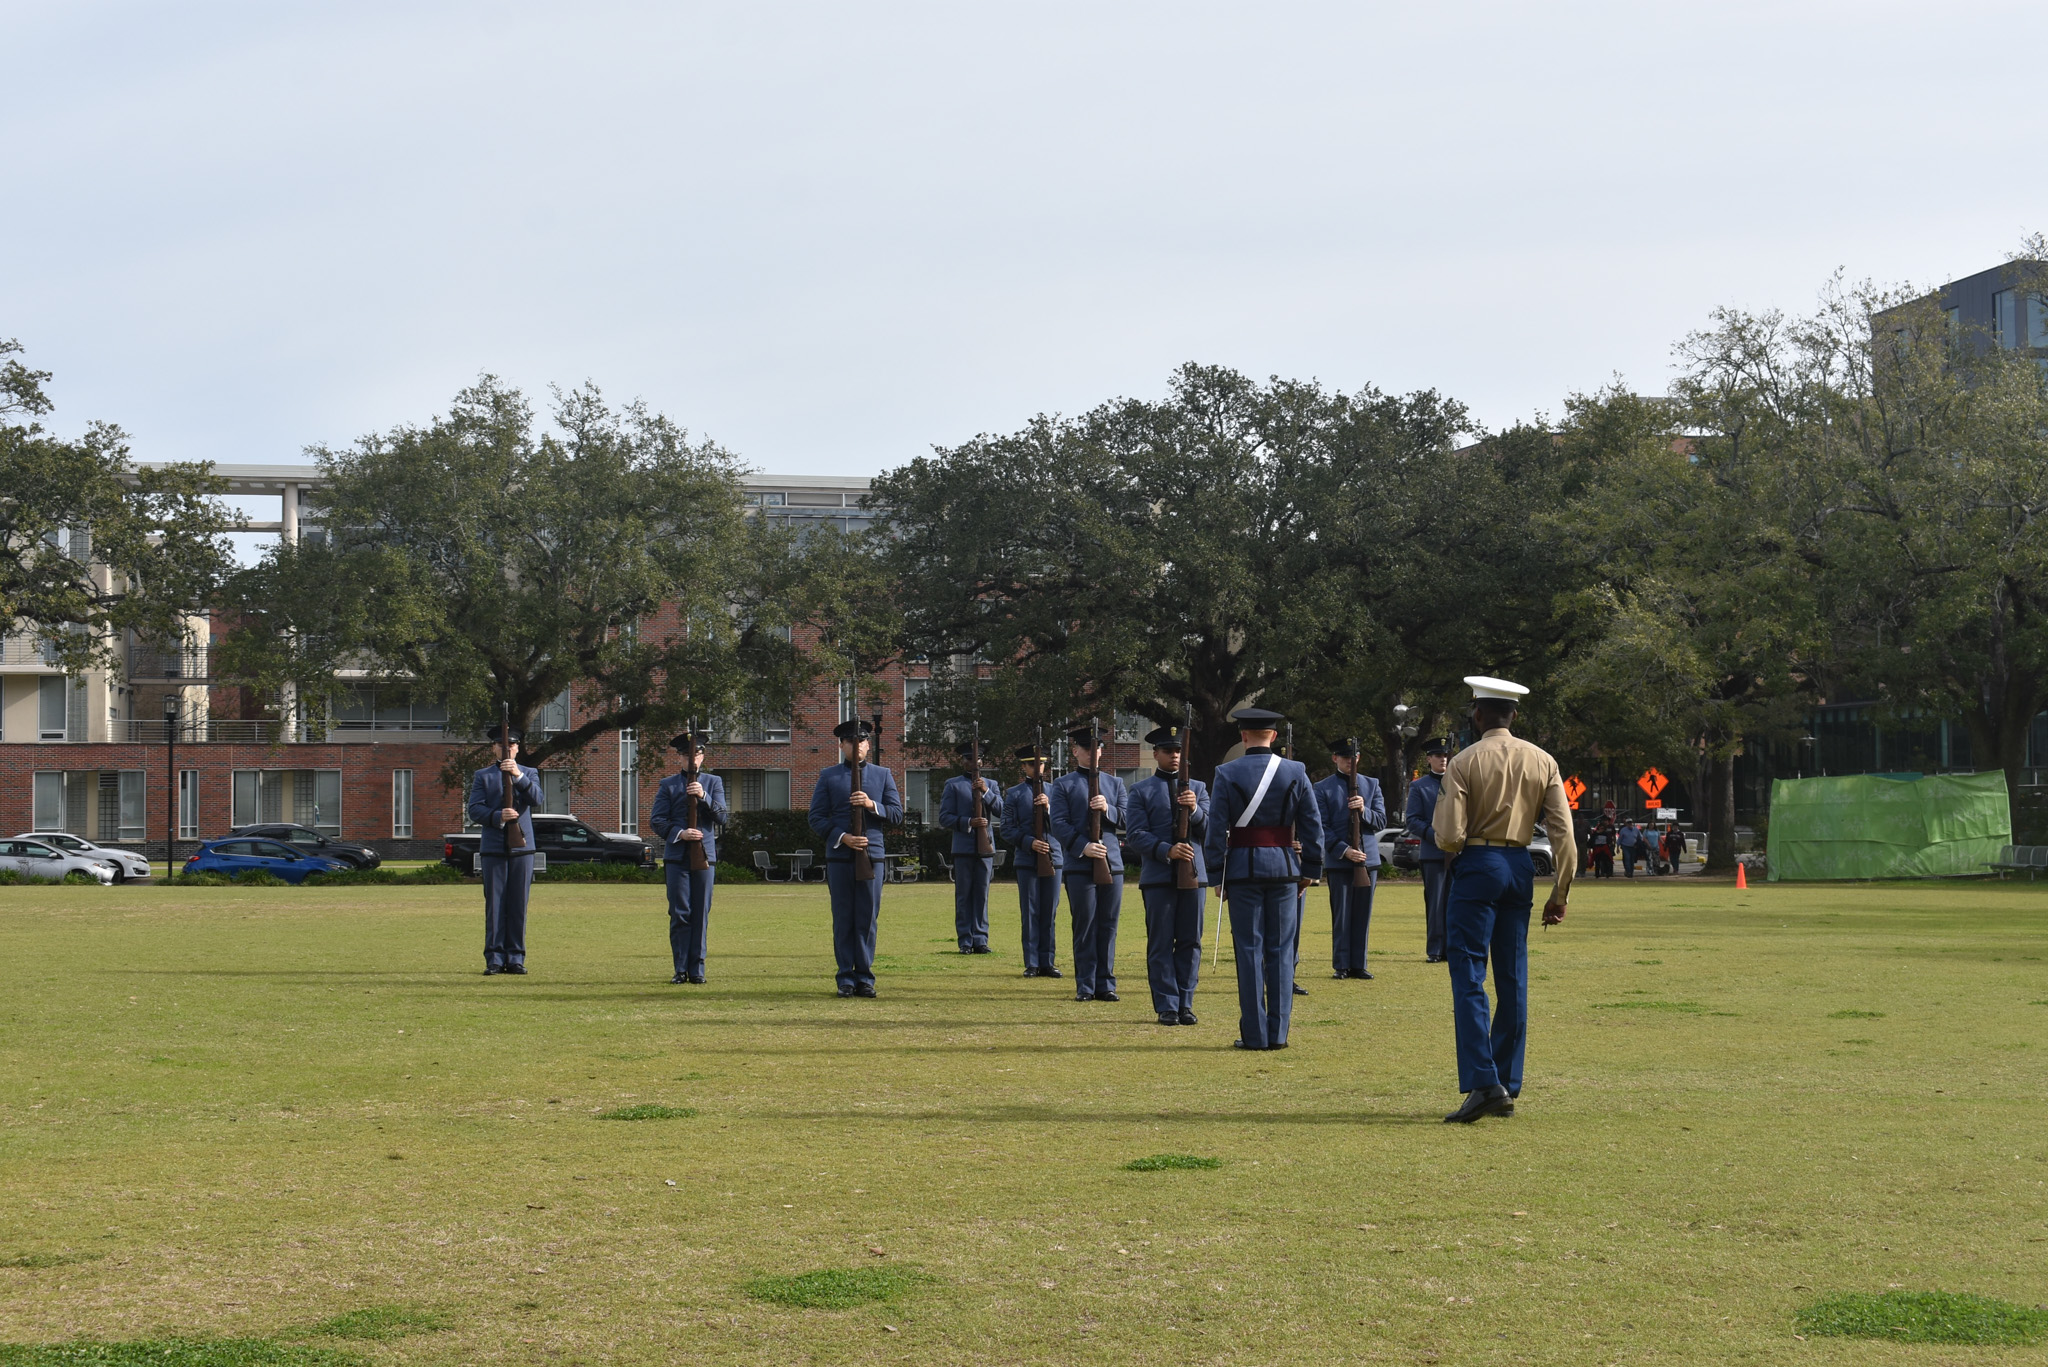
1261	837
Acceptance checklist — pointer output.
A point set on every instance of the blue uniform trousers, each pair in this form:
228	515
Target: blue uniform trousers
1265	925
1350	918
506	881
856	909
1095	910
1434	886
689	914
971	875
1038	907
1173	944
1488	918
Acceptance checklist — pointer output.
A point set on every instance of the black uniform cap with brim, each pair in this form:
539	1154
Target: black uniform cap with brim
1344	748
965	750
1166	738
690	742
1086	735
518	736
1437	745
1257	719
1031	754
854	730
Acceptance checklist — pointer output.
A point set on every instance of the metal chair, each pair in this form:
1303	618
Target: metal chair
765	862
800	866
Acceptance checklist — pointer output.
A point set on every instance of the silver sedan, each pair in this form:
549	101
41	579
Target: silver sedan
126	864
36	859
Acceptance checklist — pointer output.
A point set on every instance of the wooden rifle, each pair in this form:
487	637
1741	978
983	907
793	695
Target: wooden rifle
863	865
984	844
1361	874
1103	877
1038	831
1183	869
1287	752
515	834
693	772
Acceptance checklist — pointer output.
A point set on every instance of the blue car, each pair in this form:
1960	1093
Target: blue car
241	854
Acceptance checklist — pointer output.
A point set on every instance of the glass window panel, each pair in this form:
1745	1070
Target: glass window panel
356	708
134	805
248	785
917	792
49	801
554	792
2004	318
401	804
188	804
2037	320
775	790
50	707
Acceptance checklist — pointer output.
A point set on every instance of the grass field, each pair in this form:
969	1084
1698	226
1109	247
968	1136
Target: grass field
240	1114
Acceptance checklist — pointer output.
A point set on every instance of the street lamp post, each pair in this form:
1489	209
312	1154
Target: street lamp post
172	706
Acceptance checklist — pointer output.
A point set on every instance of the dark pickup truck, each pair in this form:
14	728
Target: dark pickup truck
560	840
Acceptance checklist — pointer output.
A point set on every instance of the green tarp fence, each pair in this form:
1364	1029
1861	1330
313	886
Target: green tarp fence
1888	826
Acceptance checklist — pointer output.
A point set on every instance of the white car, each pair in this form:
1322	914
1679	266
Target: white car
35	859
127	863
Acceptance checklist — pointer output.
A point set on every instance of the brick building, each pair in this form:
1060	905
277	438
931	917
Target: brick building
90	755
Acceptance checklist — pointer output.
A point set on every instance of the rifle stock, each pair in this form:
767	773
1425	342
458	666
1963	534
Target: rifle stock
863	863
1100	863
984	844
1045	865
1361	875
515	834
1183	869
693	769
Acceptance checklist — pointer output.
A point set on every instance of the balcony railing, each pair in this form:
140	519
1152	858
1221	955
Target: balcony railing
24	650
187	662
221	732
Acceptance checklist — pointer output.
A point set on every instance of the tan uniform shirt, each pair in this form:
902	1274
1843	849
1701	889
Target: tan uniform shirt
1496	790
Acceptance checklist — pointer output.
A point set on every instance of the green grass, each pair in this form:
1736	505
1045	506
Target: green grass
172	1352
1925	1317
1171	1162
238	1112
835	1288
379	1323
648	1111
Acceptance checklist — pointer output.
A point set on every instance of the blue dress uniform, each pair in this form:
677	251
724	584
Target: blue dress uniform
1093	908
971	872
1350	906
1038	899
1419	817
507	873
856	906
689	892
1173	914
1260	806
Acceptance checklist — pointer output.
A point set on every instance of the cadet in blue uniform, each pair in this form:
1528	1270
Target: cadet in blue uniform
505	792
1261	807
1038	899
971	871
1346	791
1173	914
689	893
1421	811
1094	907
856	906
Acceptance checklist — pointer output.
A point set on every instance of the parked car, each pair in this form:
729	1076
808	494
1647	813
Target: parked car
307	841
236	855
126	864
1402	850
39	859
561	839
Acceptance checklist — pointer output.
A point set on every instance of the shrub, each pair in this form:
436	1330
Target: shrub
259	878
205	878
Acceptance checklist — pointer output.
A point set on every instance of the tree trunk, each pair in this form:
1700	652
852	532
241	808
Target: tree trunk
1394	775
1721	814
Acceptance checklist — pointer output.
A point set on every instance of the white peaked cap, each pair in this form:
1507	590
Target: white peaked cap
1483	687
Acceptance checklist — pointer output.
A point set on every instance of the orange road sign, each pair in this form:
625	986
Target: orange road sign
1574	790
1652	783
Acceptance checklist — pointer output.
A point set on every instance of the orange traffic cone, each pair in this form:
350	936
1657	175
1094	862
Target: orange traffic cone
1741	879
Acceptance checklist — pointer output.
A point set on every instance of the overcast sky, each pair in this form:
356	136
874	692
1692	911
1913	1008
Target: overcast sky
833	235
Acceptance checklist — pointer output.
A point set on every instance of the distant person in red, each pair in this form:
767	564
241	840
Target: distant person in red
1601	848
1674	846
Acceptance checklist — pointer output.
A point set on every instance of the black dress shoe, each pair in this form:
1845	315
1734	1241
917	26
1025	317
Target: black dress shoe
1341	973
680	978
1362	974
1107	997
846	992
1188	1018
1050	973
1483	1101
981	949
1300	991
1281	1045
492	970
967	949
1079	997
1169	1018
864	990
698	977
1240	1044
1030	972
515	968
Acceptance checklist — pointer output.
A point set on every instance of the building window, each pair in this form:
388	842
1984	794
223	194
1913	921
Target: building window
188	804
555	797
98	804
917	794
847	702
401	804
1131	727
49	801
2005	318
751	790
50	708
2037	321
391	708
914	715
554	716
629	782
756	729
312	796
